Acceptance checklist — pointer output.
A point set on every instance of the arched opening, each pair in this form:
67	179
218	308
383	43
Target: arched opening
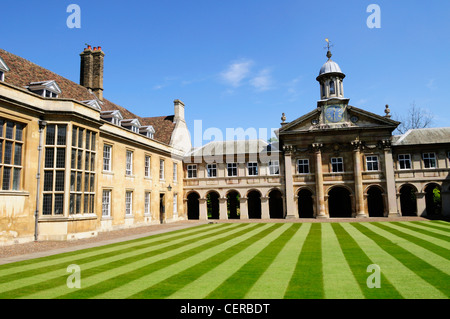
193	210
408	202
332	89
276	204
254	204
375	202
433	199
339	203
305	204
212	205
233	205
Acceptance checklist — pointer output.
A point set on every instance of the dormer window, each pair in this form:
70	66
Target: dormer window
45	88
3	69
131	124
112	116
147	131
93	103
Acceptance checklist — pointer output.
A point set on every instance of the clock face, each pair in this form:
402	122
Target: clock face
334	113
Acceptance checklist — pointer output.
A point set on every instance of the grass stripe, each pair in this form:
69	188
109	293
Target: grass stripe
339	281
52	260
238	284
127	286
421	268
306	281
413	246
442	222
246	249
411	234
111	267
273	282
439	234
83	259
405	281
433	224
358	261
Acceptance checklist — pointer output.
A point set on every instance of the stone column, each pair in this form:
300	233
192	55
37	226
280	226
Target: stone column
243	208
392	204
203	209
223	209
421	204
320	196
265	214
359	191
289	182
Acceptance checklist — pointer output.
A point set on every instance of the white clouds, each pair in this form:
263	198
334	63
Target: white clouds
240	74
236	72
262	81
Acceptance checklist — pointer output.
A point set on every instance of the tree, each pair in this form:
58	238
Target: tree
415	118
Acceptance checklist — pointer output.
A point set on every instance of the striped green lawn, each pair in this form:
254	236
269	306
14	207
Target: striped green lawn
250	260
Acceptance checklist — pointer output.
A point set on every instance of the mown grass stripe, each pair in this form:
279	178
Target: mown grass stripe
358	261
246	248
273	282
436	233
411	234
83	259
264	252
433	224
307	280
405	281
442	222
129	286
49	261
421	268
55	286
338	279
413	246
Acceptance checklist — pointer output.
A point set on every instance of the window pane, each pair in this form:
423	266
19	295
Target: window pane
74	136
9	130
59	181
88	140
6	178
1	151
78	204
79	159
48	181
80	137
86	182
1	127
49	157
8	152
72	204
86	204
50	137
72	181
61	135
78	182
92	162
47	204
60	158
86	160
19	130
59	204
16	179
93	141
91	184
18	154
73	158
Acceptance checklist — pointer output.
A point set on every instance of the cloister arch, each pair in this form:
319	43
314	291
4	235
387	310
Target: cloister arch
408	200
305	203
339	202
193	206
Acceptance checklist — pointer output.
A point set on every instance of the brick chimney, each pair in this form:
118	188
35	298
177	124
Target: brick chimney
91	70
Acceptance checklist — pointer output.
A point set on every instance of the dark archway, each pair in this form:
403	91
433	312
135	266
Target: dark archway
193	210
254	204
339	203
305	204
408	202
433	199
375	202
212	204
276	204
233	205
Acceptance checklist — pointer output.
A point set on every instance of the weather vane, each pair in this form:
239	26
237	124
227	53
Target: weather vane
328	48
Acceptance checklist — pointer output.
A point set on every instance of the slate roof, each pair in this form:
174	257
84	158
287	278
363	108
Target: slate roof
22	72
232	147
435	135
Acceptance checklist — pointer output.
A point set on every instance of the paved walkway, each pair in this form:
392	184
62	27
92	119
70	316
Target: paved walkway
38	249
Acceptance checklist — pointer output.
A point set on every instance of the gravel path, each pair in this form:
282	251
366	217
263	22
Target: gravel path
29	250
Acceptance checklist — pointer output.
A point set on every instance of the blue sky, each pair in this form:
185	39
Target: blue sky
242	63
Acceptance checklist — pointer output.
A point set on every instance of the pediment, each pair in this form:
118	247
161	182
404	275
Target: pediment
355	119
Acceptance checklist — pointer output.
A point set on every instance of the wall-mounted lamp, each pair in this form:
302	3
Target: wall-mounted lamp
169	188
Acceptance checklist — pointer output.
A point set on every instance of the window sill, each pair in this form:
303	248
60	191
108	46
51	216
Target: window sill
14	193
108	172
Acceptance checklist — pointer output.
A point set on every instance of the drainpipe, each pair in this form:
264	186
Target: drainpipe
42	125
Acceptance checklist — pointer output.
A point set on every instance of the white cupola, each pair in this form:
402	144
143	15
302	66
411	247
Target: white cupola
330	79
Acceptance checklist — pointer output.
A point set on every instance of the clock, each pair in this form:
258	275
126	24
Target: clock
334	113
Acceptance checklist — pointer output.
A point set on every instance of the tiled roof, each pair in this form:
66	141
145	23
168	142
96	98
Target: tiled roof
22	72
435	135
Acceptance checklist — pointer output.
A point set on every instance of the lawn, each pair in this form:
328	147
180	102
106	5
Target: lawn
251	261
